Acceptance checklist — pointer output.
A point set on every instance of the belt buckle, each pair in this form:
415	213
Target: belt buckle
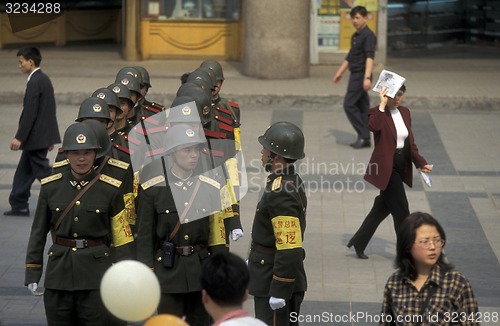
80	243
187	250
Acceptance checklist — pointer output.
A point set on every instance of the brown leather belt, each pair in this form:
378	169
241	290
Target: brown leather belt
78	243
188	250
262	249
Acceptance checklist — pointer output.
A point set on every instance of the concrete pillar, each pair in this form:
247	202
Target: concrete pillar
276	38
381	56
131	19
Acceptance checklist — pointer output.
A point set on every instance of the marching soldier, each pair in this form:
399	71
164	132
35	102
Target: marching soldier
226	110
119	137
277	276
220	149
174	227
148	108
84	211
113	105
134	86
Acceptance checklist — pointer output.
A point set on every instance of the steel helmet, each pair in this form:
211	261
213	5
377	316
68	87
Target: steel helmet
102	137
204	74
183	110
198	83
130	71
79	136
121	91
109	96
93	108
182	135
216	67
203	101
145	75
131	82
284	139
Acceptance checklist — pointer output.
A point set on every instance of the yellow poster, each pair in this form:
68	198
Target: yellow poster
346	28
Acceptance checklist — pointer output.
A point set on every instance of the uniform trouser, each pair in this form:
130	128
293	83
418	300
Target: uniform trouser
32	165
392	201
279	317
77	308
357	104
184	304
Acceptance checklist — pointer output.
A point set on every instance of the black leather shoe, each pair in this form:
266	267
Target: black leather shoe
361	143
17	212
359	252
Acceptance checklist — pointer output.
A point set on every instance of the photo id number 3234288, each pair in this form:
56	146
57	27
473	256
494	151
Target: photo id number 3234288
32	7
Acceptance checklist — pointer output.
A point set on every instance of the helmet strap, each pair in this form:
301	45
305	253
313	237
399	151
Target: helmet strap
270	160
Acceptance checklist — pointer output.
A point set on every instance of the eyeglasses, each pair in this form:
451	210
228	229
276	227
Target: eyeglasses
426	244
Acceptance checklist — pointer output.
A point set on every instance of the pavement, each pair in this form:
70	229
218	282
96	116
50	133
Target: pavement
455	106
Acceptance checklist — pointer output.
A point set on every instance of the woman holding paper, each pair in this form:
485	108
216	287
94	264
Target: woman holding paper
389	167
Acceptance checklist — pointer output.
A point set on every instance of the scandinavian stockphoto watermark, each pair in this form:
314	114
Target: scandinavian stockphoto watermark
155	143
320	176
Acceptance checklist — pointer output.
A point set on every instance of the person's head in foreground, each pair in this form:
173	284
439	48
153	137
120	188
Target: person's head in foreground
420	243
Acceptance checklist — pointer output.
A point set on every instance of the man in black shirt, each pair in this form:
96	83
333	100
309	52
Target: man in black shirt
359	60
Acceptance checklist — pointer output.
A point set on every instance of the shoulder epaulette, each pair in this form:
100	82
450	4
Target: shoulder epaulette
151	182
152	109
276	183
51	178
234	104
110	180
60	163
133	140
223	119
221	109
118	163
210	181
122	148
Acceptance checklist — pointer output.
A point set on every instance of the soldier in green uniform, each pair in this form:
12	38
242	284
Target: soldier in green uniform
84	212
121	125
174	226
113	105
224	112
147	108
134	86
110	160
277	276
220	148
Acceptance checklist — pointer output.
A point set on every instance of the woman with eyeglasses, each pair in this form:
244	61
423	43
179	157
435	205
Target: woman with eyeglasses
426	290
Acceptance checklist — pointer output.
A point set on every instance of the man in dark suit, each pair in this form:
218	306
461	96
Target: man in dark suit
37	132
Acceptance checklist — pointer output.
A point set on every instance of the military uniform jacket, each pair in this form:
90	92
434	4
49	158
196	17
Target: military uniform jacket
158	216
99	214
279	223
114	168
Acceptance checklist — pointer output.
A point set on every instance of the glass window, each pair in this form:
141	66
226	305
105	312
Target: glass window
192	9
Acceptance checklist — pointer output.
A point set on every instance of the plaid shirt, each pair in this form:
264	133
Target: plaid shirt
452	303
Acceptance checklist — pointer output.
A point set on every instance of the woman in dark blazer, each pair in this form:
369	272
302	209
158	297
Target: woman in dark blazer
389	167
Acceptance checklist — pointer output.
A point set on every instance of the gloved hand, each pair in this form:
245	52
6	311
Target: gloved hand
276	303
236	234
33	287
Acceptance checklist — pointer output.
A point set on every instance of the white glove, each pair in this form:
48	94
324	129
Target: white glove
236	234
33	287
276	303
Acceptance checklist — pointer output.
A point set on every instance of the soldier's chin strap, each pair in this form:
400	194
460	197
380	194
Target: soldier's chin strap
269	162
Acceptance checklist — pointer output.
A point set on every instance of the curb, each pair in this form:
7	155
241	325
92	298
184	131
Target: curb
316	103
